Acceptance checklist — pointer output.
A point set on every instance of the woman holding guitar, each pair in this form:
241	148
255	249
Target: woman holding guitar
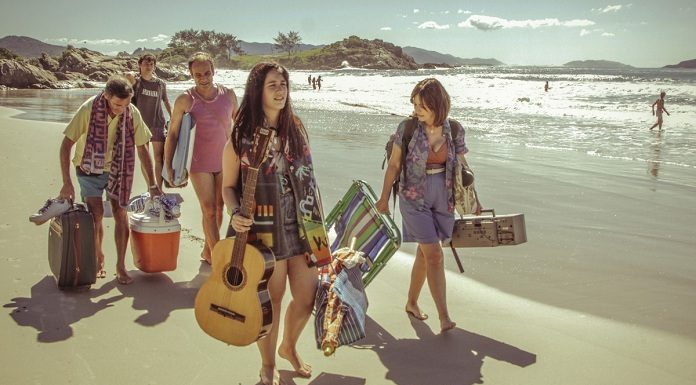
287	211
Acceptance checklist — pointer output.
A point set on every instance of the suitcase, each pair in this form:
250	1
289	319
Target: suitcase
154	240
71	251
355	216
487	231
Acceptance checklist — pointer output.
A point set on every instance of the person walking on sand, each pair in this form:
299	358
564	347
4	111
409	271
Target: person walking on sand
212	107
295	204
107	130
150	93
660	103
426	196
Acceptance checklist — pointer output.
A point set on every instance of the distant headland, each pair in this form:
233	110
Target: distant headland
30	63
604	64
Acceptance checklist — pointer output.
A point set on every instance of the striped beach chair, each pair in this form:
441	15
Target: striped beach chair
376	234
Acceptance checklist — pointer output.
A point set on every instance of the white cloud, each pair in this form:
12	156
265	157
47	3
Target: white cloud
385	29
610	8
460	11
141	40
489	23
105	42
608	34
72	41
433	25
416	10
160	38
585	32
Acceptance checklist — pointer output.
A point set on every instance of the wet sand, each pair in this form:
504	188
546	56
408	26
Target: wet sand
603	292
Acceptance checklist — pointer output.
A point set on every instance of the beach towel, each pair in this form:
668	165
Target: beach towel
123	159
341	304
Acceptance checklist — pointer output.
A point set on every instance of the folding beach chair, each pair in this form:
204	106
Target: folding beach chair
376	234
341	303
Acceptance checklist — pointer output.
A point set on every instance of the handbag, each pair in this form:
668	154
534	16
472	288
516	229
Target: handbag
465	198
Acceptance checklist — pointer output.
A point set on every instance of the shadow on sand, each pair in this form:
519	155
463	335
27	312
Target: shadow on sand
52	312
455	357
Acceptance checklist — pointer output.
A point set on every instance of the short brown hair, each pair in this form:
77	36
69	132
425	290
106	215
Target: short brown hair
434	97
119	87
200	56
147	57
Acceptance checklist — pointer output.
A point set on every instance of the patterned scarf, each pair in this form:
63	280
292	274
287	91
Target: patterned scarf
123	160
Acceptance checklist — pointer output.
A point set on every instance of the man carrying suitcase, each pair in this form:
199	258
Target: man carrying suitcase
108	131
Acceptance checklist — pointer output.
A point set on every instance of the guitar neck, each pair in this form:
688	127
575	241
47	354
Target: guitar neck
246	209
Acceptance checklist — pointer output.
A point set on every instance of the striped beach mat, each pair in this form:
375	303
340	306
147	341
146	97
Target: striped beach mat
355	215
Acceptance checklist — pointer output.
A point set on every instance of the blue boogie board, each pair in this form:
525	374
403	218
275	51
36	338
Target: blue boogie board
182	154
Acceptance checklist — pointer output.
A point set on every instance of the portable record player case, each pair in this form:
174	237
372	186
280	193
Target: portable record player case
489	231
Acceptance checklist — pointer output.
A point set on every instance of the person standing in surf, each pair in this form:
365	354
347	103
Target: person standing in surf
660	103
292	215
213	107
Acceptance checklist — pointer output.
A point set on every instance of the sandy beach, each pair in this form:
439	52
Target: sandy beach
603	292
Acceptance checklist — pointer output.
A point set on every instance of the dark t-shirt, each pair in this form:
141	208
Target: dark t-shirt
148	98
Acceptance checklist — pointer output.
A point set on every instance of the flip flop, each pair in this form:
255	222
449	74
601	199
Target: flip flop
101	273
420	317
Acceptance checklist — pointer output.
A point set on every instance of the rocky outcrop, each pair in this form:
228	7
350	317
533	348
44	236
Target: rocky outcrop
358	53
75	68
16	74
48	63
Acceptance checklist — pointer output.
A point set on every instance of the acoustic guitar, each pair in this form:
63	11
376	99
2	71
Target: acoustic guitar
233	305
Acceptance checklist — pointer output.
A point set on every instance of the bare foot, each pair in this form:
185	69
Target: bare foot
415	312
446	324
269	375
301	368
123	278
205	256
101	273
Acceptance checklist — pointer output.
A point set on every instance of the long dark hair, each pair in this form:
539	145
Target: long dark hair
250	114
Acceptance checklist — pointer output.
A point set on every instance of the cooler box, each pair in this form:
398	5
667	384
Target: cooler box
154	241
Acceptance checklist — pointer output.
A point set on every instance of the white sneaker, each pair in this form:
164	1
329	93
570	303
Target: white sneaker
52	208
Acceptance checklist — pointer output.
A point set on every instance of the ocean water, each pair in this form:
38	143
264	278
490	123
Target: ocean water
601	113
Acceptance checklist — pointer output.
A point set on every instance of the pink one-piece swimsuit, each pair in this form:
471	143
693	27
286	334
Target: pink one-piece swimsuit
212	119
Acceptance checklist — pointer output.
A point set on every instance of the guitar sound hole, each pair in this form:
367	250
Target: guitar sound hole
235	276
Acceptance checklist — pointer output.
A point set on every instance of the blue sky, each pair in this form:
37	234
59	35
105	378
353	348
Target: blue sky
533	32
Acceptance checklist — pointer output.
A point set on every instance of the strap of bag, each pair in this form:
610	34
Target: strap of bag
456	258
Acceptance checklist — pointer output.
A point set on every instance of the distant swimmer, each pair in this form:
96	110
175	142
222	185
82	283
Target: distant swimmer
546	86
660	108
